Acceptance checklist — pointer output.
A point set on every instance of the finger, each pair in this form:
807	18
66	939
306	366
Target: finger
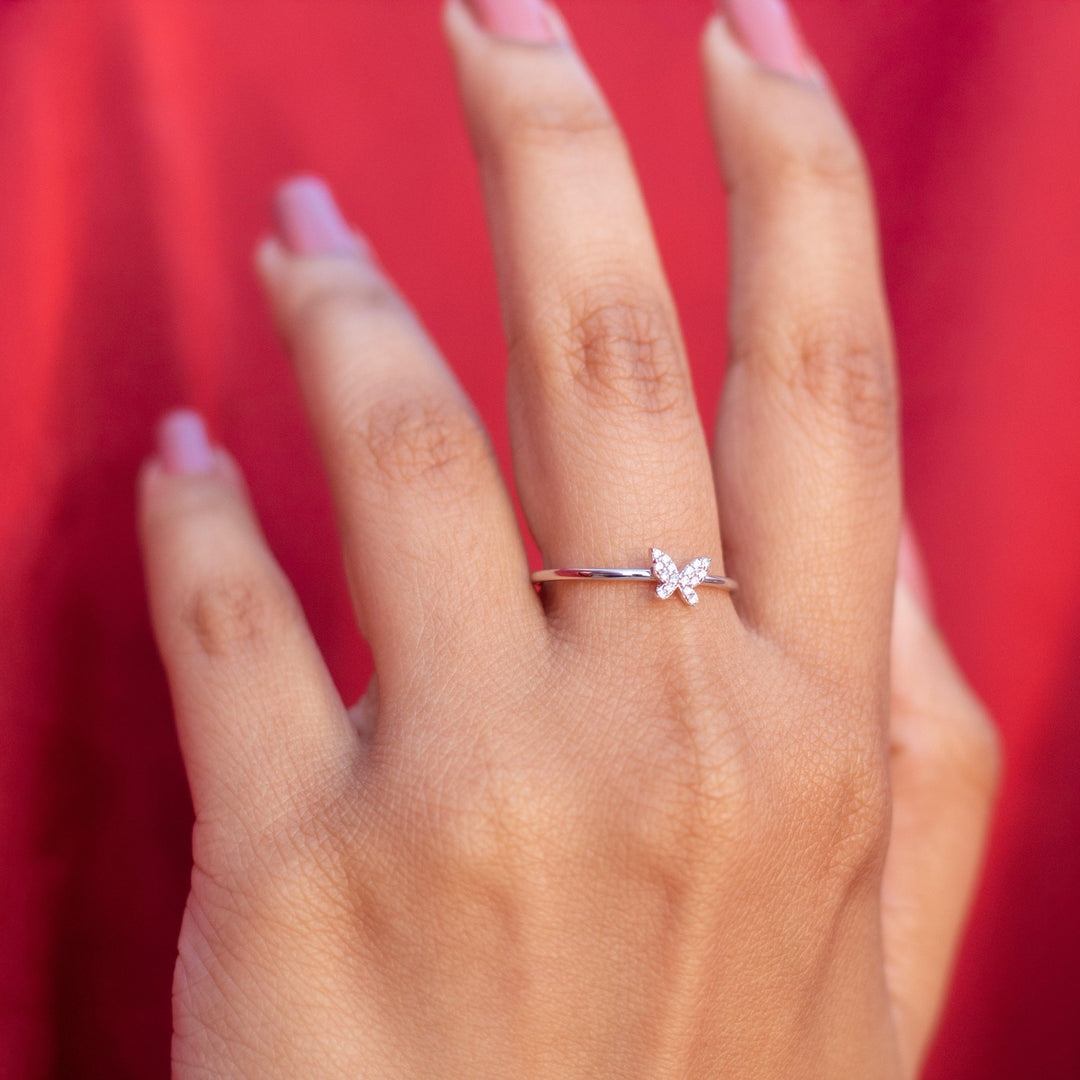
944	770
607	441
431	542
258	717
805	455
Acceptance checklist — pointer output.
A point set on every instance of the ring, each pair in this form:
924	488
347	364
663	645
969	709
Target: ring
664	570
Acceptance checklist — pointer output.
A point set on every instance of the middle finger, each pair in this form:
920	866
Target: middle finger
609	452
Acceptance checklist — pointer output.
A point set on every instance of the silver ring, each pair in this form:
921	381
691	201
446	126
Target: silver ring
664	570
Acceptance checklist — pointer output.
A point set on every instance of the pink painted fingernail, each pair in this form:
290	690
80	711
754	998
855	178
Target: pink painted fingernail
519	20
767	31
309	221
912	567
183	445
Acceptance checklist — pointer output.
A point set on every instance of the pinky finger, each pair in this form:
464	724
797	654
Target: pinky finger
258	717
945	766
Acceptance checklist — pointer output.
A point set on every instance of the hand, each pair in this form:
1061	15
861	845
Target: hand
579	832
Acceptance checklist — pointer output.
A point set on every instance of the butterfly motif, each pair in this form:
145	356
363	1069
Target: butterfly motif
672	578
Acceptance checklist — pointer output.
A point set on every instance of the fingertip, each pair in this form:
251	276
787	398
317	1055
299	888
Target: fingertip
911	567
725	64
184	455
911	621
729	60
560	28
308	220
458	22
149	479
183	443
269	258
717	41
229	469
922	663
515	22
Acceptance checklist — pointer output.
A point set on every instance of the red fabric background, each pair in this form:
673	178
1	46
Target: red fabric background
139	140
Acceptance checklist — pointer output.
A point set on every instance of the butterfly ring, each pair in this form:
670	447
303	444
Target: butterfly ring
664	570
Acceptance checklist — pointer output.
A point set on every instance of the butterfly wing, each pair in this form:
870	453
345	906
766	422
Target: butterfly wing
692	575
666	572
695	571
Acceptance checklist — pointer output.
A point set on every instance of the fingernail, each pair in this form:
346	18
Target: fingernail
182	444
519	20
912	568
767	31
309	222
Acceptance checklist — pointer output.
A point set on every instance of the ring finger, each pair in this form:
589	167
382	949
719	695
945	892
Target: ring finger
608	445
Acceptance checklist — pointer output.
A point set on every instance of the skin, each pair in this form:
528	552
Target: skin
581	832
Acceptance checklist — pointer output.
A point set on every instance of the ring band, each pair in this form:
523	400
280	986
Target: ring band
664	570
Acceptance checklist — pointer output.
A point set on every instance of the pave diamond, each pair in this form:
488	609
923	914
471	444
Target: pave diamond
671	577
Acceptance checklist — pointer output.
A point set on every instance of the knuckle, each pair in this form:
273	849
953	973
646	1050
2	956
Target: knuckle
693	761
668	803
506	818
554	118
421	439
961	751
477	815
847	815
841	363
982	758
835	781
235	613
688	807
825	160
620	350
857	816
484	830
341	310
